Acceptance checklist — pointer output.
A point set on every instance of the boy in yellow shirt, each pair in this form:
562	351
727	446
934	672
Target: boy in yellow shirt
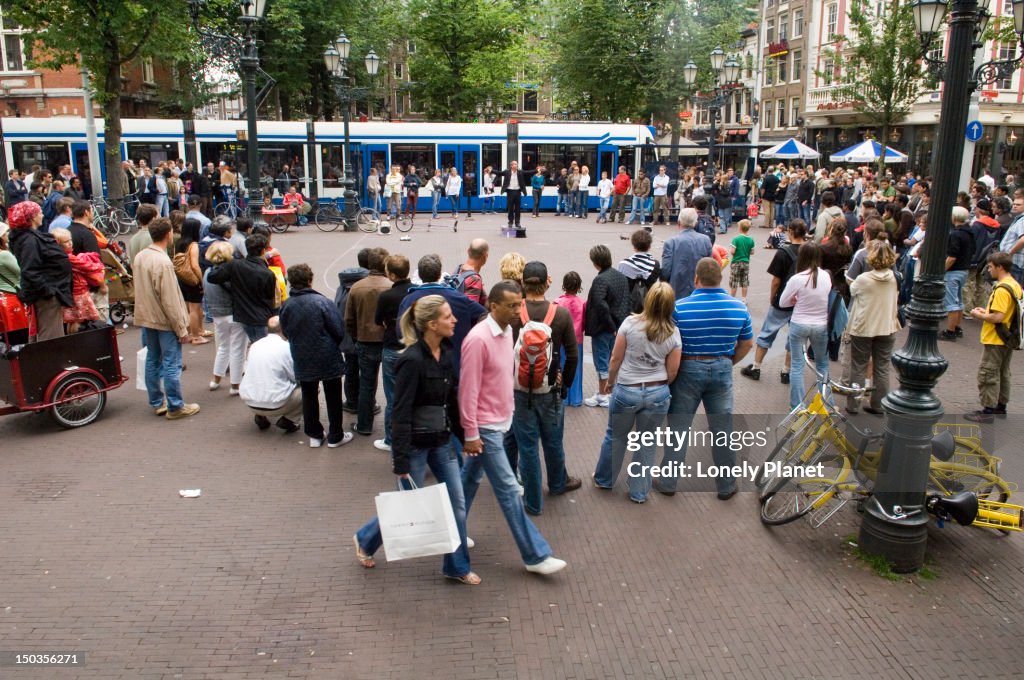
994	371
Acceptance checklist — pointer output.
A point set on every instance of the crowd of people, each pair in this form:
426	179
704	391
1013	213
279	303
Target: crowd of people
476	378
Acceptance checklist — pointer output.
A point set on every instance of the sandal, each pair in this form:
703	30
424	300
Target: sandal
364	559
200	341
469	579
207	334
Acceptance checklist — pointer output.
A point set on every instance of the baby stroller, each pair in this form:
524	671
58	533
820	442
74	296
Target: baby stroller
120	286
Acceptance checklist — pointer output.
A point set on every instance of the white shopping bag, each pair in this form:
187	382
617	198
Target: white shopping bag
417	523
140	369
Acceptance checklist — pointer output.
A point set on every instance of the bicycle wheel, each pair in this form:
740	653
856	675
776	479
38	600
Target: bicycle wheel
327	217
367	221
222	209
277	224
791	448
124	222
404	225
794	498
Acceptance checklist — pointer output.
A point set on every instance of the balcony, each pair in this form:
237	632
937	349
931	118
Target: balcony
828	98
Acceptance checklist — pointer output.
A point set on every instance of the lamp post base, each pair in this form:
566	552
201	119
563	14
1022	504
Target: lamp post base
901	544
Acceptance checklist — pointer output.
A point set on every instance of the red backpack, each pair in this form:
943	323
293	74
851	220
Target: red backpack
533	351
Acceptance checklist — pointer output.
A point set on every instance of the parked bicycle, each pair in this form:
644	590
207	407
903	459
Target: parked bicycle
231	207
109	219
822	461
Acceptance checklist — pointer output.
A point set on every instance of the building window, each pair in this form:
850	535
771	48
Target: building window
769	112
147	70
798	23
828	71
783	62
530	101
798	64
398	71
794	111
769	75
771	3
399	106
769	30
1007	50
783	27
13	60
410	47
781	122
938	46
833	21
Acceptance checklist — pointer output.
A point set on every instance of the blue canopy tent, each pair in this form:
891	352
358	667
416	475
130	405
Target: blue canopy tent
790	149
867	151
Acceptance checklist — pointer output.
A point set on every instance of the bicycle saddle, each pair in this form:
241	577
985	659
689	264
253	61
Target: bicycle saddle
962	508
943	445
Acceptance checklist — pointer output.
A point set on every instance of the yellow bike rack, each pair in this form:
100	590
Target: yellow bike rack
996	515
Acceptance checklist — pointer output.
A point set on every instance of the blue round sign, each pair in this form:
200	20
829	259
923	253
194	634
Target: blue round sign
974	131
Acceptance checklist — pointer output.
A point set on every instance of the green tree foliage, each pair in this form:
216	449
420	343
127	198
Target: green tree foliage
880	73
466	51
102	36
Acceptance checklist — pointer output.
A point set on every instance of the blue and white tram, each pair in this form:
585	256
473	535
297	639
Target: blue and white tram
313	150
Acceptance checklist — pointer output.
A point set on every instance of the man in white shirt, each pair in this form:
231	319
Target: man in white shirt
268	386
660	191
987	180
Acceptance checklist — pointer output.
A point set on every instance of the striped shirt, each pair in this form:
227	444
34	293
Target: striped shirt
638	266
711	322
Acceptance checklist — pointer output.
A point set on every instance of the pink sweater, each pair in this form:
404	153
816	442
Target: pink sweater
486	378
577	310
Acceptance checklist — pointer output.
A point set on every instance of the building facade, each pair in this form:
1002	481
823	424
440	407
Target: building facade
786	33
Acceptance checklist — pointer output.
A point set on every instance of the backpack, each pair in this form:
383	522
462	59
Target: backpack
533	352
1012	335
639	286
458	279
705	225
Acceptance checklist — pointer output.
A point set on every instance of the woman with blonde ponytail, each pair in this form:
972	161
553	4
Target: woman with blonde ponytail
426	414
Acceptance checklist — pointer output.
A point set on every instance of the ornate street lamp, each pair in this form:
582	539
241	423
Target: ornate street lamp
725	71
336	61
895	521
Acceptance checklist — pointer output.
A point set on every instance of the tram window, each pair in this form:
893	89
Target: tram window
152	153
420	155
627	157
331	166
273	157
490	154
49	156
554	157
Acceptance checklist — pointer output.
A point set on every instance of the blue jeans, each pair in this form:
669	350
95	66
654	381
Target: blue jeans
442	463
436	202
601	345
799	336
582	199
724	219
638	206
163	362
605	202
1018	274
708	382
254	333
488	204
388	360
780	214
953	300
644	407
370	354
562	204
494	463
575	395
537	419
455	204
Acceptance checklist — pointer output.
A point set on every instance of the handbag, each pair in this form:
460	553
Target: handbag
417	523
183	270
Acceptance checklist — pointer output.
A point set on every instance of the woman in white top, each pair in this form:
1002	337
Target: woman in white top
807	293
452	189
393	190
437	184
604	193
488	186
644	361
373	190
584	192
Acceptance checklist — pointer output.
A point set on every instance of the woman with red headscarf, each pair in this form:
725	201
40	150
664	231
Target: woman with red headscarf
45	269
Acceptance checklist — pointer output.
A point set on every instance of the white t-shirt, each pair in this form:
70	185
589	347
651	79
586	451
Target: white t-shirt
660	184
605	188
454	185
810	305
644	360
584	182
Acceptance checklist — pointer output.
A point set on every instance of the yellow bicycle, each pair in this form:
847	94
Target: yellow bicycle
822	461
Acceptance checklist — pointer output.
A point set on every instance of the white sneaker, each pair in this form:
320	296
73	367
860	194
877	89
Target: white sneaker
233	392
593	401
381	444
470	543
346	438
549	566
214	386
315	443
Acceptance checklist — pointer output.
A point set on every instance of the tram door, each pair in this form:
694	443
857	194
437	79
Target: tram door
377	156
80	165
465	158
607	162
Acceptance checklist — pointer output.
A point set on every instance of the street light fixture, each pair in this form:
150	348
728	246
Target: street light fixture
725	71
895	521
245	52
336	61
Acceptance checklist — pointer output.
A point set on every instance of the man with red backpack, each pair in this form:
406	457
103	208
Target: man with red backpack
541	333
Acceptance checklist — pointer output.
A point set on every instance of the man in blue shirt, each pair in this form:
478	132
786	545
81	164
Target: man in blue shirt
680	254
195	202
717	334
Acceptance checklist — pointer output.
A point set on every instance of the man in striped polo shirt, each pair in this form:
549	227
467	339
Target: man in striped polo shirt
717	334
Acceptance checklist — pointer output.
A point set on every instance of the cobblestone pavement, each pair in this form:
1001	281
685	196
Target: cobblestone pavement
257	577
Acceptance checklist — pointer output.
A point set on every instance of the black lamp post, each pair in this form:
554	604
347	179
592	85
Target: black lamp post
336	60
726	71
895	521
487	110
246	53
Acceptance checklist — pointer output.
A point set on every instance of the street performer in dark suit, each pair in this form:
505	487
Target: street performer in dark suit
513	184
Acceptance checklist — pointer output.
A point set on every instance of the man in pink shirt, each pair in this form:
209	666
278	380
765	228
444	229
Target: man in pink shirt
486	405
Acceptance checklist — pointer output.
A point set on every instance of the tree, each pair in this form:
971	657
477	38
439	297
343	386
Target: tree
466	51
102	36
881	71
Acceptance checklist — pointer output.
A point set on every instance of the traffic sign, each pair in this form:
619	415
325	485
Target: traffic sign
974	131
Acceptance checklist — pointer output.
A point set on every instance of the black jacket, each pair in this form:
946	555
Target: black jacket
426	408
346	279
386	315
769	186
607	303
524	181
45	267
805	192
314	330
252	286
147	190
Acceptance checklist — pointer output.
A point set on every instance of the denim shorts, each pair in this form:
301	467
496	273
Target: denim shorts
954	300
773	323
601	345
